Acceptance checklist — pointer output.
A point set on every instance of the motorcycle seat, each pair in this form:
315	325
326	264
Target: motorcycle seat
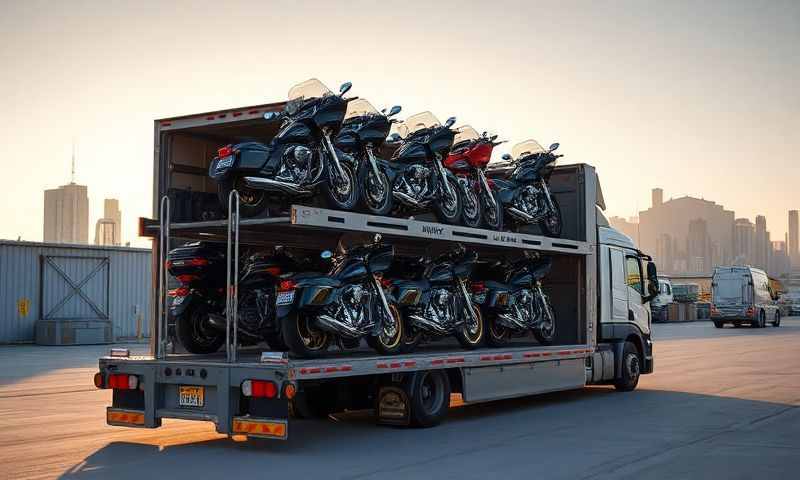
316	279
492	285
503	184
421	284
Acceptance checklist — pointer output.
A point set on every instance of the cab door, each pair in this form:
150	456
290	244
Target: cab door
638	312
619	287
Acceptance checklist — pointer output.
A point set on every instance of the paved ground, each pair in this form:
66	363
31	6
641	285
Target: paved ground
722	404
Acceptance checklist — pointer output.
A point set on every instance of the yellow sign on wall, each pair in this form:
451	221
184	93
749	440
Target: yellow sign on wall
23	307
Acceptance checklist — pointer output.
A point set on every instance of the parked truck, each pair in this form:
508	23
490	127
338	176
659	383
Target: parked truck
600	286
742	295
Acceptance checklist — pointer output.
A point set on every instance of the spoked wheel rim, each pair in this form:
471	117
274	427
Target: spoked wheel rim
490	213
547	326
344	188
450	201
431	392
632	366
473	329
249	197
377	190
471	202
392	330
313	338
498	331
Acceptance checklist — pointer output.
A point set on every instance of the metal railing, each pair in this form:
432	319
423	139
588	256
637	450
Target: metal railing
163	249
232	279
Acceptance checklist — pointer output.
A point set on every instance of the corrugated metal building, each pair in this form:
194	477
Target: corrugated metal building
71	294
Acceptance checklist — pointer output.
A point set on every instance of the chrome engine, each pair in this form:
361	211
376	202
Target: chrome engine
349	316
528	200
439	314
254	310
522	313
297	165
414	186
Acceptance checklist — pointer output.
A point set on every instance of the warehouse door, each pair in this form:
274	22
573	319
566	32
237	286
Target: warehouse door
74	288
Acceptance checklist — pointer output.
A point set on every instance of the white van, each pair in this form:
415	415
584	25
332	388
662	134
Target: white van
659	306
742	295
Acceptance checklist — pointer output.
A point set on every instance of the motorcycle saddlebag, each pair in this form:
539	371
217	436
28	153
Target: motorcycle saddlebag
197	259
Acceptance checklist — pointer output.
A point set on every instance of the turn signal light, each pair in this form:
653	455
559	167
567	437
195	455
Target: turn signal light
289	390
122	381
178	292
287	285
259	389
198	262
478	287
225	151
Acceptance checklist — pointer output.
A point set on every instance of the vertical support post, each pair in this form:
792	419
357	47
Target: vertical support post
232	279
163	248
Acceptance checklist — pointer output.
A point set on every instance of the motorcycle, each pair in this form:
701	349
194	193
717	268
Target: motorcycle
299	159
435	301
523	191
363	132
513	300
415	175
468	158
346	305
198	305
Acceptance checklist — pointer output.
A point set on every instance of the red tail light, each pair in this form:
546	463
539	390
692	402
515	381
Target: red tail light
386	282
287	285
225	151
478	287
168	264
259	389
198	262
274	271
187	278
179	292
123	381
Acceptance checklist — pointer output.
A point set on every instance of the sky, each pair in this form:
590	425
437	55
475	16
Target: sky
698	98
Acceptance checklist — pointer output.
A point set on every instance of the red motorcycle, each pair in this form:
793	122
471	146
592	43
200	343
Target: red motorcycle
468	159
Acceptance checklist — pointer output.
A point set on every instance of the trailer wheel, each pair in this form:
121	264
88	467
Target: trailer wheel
719	324
631	369
777	321
429	395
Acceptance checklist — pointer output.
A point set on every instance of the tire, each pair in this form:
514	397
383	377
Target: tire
411	338
777	321
191	334
631	369
719	324
472	218
342	199
302	339
545	336
496	334
471	338
429	395
449	213
552	225
386	204
252	202
491	219
761	322
389	342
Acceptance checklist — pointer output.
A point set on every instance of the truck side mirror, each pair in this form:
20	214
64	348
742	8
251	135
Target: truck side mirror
652	282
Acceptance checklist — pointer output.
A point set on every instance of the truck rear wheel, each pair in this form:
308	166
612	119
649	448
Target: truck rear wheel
631	369
429	396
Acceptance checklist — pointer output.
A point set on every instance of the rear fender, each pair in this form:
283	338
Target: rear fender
176	310
316	292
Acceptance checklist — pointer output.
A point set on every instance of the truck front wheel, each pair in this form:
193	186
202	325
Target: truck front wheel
631	369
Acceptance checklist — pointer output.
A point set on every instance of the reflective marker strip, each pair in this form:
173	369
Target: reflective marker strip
124	417
328	369
260	428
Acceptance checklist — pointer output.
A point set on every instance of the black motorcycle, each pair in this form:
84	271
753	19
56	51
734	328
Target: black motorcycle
434	297
513	300
521	188
415	175
198	306
299	159
346	305
363	133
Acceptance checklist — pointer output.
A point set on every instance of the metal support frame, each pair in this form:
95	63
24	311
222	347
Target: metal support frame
163	249
232	279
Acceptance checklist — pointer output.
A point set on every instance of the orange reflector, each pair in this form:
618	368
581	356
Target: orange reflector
98	380
260	428
289	390
124	417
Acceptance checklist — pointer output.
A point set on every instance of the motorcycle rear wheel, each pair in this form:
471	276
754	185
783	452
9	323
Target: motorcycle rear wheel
448	208
389	342
302	338
345	196
496	334
191	334
376	205
552	224
252	202
471	338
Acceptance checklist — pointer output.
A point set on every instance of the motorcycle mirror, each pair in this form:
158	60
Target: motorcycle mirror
270	116
326	254
554	147
377	238
394	111
506	157
450	121
346	86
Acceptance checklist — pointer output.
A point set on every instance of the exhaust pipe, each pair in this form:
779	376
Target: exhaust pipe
275	186
426	324
514	211
330	324
407	199
511	322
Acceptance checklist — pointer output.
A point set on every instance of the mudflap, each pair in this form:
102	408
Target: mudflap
393	406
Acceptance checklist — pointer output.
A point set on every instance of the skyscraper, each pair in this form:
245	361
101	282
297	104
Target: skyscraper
743	239
66	214
793	246
762	246
108	230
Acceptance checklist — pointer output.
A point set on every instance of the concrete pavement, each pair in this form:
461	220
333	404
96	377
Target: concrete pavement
722	403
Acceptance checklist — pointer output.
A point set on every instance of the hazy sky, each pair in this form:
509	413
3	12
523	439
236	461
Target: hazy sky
700	98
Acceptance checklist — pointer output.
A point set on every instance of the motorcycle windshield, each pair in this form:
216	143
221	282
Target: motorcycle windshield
525	149
465	134
359	108
311	88
415	123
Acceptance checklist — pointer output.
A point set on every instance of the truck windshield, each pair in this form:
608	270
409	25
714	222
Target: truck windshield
526	148
415	123
359	108
728	289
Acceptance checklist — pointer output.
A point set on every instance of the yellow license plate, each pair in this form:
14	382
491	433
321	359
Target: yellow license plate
191	396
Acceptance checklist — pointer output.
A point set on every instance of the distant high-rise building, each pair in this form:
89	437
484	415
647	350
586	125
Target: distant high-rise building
698	248
779	259
108	230
793	245
761	247
629	227
66	214
658	196
743	239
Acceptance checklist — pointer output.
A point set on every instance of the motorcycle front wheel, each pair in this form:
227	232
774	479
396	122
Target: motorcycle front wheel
545	331
252	202
492	215
448	206
551	224
376	192
390	338
471	210
302	338
496	335
342	193
193	333
470	335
